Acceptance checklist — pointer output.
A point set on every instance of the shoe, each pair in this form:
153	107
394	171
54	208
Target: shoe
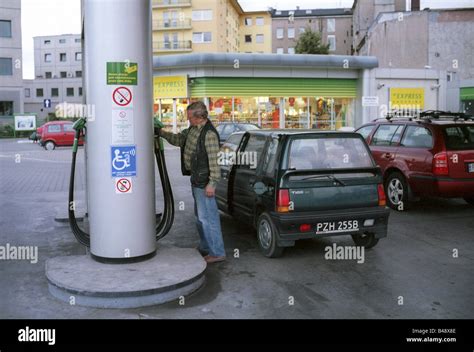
202	252
211	259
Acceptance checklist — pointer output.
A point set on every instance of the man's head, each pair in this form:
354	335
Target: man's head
197	113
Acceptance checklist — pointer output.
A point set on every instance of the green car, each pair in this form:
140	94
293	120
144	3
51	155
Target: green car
300	184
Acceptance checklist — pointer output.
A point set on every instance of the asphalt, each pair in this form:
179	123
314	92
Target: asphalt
423	269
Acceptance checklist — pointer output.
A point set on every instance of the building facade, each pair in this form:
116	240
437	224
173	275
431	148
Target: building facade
256	32
334	26
58	74
11	73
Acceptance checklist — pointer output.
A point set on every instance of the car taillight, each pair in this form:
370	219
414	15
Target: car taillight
382	197
440	164
283	201
305	227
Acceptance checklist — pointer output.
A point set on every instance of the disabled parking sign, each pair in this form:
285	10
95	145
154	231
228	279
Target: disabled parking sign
124	160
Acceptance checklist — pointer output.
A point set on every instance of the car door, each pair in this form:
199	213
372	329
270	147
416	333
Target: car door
68	134
55	133
384	144
245	175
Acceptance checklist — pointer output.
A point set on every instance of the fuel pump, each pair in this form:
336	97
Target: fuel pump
120	148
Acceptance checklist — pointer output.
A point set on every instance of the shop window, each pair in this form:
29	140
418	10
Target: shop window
296	112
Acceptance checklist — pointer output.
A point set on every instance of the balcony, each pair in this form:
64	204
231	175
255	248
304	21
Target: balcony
171	24
167	47
170	3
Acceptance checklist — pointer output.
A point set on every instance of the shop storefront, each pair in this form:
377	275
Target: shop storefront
294	97
467	100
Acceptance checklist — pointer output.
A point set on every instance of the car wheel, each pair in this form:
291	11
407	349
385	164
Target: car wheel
49	145
396	190
470	200
366	240
267	236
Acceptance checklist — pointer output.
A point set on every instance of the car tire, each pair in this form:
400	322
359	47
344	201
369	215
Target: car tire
267	236
367	240
49	145
469	200
396	191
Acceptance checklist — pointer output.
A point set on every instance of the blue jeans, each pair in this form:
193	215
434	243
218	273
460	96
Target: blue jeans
208	223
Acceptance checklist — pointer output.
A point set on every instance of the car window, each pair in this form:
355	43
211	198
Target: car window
235	139
387	135
459	137
270	158
254	149
228	129
417	137
248	127
68	127
365	131
219	128
328	153
54	128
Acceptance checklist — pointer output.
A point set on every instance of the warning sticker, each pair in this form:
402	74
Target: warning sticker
123	185
122	73
124	161
122	126
122	96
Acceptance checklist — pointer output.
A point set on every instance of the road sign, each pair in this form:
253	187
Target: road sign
122	96
124	160
47	103
123	185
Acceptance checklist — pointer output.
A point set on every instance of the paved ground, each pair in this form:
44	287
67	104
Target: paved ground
415	264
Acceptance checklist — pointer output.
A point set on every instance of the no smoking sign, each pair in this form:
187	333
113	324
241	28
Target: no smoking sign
123	97
123	185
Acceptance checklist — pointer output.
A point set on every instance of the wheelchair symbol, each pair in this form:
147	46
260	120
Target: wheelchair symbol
120	160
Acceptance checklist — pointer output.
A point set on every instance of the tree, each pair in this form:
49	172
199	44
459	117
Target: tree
310	43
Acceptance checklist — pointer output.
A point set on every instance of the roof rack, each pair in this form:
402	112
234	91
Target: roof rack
430	115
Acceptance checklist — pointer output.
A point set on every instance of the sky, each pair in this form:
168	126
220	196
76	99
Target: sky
53	17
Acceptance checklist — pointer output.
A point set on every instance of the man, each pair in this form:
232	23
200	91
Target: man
199	148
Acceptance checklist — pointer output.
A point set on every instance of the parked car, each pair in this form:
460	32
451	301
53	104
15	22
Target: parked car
304	184
429	155
58	133
225	129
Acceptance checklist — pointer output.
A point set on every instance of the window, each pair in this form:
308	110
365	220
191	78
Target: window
248	38
54	128
77	40
78	73
248	21
6	66
27	92
387	135
47	42
70	92
291	32
332	42
80	91
63	74
202	37
5	29
459	137
365	131
279	33
202	15
67	127
279	50
78	56
259	38
47	57
259	21
54	92
331	25
417	137
270	158
6	108
256	145
291	50
62	41
39	92
301	30
47	74
62	57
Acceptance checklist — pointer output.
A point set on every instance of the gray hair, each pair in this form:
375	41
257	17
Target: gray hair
199	109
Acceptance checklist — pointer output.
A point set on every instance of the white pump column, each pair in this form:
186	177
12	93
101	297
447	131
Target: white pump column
120	162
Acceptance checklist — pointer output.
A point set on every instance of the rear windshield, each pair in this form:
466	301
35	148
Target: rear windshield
459	137
325	153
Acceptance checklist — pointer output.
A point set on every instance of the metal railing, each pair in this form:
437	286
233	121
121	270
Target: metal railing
170	3
172	24
182	45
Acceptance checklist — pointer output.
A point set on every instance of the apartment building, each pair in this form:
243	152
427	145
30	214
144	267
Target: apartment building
184	26
11	76
334	25
256	32
58	74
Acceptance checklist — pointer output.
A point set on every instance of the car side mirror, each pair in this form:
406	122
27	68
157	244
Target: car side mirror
259	188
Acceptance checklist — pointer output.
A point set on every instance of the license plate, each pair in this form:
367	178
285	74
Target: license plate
337	226
470	167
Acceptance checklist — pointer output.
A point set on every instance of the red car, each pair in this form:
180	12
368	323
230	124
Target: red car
429	155
58	133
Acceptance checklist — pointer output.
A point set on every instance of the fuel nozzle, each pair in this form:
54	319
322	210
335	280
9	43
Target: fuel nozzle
157	126
78	126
